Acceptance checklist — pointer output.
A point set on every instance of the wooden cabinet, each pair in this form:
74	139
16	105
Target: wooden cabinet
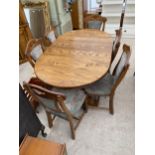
77	14
37	146
24	34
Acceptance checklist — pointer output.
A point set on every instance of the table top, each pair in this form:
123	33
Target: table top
75	59
37	146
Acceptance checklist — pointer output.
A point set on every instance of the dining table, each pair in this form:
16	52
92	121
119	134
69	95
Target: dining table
76	59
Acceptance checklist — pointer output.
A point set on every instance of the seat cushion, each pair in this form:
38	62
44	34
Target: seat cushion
47	103
101	87
94	24
74	98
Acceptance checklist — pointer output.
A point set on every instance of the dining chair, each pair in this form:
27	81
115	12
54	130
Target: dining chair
68	104
49	38
34	103
94	21
34	50
107	85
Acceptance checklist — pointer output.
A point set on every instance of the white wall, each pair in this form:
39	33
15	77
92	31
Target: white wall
92	5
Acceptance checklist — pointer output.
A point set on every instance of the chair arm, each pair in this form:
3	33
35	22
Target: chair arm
47	91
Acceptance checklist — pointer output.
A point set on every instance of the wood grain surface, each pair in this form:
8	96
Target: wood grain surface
37	146
75	59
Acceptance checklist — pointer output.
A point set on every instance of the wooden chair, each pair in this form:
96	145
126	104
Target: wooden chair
34	50
93	101
107	85
67	104
34	103
49	38
94	21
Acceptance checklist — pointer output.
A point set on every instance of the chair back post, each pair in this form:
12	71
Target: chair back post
116	44
126	49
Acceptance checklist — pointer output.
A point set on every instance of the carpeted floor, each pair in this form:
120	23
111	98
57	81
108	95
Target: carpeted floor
99	133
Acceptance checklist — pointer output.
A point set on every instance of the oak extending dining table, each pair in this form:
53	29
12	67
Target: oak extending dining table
75	59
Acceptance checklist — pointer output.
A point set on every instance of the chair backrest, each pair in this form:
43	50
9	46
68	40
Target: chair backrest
122	66
93	21
34	50
51	36
116	44
123	62
41	94
34	103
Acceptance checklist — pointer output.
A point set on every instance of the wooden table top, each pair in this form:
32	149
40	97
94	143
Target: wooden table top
75	59
37	146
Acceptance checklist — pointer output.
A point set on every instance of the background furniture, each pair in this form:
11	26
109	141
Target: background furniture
37	146
75	59
78	8
59	17
28	121
63	103
24	34
75	15
38	17
107	85
94	21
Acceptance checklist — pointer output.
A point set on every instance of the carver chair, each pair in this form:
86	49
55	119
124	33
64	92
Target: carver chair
94	21
107	85
68	104
34	80
34	50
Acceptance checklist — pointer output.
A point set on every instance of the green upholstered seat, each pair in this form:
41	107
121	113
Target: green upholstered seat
102	86
74	99
47	102
94	24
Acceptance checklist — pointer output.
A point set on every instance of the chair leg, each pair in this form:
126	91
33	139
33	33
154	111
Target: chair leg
93	100
69	118
71	126
111	108
85	106
42	131
50	120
